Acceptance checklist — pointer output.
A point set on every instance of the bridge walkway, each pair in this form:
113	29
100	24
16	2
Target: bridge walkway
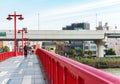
20	70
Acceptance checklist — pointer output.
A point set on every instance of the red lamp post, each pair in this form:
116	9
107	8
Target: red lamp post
15	17
24	30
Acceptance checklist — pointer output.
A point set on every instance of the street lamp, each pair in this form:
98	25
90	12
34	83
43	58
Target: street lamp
24	30
15	17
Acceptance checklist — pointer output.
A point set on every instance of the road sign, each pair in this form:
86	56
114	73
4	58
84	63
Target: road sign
2	34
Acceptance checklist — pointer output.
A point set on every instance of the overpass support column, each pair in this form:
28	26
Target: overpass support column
100	47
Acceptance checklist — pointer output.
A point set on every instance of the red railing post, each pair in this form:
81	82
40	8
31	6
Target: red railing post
57	72
80	81
65	75
61	70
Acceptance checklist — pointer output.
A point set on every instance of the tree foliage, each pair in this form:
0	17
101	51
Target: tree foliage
82	52
110	52
90	53
6	49
73	52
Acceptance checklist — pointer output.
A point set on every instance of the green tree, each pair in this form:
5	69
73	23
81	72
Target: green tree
110	52
6	49
82	52
90	53
73	52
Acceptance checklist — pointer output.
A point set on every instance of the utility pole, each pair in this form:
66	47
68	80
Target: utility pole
96	19
38	21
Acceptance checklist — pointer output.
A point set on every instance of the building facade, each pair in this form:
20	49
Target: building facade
113	43
49	45
78	26
77	45
60	45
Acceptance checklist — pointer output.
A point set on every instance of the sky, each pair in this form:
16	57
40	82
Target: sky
55	14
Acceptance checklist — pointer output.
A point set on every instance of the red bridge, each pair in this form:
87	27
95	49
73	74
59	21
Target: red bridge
57	70
61	70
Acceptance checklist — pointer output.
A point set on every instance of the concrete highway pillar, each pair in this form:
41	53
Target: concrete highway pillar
100	47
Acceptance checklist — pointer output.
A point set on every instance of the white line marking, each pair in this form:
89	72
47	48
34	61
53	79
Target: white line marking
16	61
3	73
30	63
21	71
27	80
5	81
18	65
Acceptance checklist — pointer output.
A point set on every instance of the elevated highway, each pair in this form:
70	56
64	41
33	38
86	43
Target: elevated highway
62	34
99	36
56	35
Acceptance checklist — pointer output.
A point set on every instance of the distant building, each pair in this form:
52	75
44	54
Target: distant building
49	45
78	26
60	47
1	44
103	27
90	45
111	42
77	45
9	44
115	44
100	27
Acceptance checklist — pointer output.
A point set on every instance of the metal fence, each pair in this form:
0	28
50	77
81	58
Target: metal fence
6	55
62	70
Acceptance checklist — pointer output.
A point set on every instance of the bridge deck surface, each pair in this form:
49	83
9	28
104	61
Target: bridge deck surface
20	70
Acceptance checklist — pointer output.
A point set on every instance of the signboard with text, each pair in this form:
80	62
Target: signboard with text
2	34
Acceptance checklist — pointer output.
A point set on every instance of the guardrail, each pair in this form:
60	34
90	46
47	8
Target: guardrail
6	55
62	70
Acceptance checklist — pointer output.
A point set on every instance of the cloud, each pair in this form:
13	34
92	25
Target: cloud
79	8
58	17
85	12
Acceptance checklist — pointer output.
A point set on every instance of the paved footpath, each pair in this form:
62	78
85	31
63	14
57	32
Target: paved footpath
20	70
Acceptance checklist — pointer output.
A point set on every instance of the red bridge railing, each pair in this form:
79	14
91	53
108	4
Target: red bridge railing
6	55
61	70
